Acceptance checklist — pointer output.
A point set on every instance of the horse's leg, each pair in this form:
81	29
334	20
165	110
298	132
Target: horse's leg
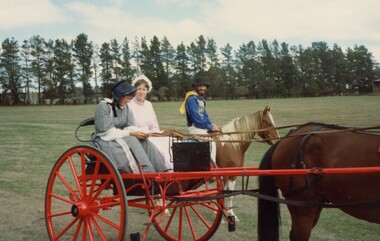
303	221
229	200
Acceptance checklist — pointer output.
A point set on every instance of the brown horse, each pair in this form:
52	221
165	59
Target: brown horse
231	154
317	145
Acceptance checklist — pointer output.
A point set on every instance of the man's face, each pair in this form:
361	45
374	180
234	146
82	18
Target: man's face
201	89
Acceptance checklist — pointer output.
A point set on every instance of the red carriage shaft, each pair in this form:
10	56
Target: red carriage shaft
250	171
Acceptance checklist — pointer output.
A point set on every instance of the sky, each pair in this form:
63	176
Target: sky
344	22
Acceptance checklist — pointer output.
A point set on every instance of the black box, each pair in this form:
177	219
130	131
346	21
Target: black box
191	156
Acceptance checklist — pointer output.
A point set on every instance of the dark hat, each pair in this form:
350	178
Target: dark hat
122	88
200	81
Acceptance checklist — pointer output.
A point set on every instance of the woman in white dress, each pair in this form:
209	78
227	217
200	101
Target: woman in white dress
146	119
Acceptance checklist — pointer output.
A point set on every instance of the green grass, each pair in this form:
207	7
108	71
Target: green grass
32	139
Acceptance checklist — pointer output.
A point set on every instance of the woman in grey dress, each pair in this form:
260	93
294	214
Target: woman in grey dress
116	134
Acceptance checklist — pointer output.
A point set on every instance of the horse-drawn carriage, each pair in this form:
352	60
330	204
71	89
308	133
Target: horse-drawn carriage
87	198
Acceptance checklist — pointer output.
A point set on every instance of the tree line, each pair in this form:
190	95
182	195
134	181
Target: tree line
40	71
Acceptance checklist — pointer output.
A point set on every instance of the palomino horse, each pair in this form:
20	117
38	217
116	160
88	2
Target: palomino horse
231	154
316	145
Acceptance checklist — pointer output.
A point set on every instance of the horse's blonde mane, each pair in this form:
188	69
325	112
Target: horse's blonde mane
246	123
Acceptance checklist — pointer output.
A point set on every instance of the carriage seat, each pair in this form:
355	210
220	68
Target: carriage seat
188	154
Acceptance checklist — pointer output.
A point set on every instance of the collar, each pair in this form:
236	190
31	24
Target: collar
183	106
138	102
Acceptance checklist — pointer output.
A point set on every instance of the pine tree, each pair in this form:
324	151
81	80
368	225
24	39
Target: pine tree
10	61
83	52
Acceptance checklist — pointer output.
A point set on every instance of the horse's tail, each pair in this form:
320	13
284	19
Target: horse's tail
268	211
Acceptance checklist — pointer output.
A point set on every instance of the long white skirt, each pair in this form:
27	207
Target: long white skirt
163	145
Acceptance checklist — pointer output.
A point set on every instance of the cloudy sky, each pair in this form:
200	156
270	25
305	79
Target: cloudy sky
345	22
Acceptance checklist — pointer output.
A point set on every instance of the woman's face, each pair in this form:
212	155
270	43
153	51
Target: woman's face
141	92
125	100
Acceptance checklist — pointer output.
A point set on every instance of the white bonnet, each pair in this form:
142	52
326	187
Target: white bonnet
143	77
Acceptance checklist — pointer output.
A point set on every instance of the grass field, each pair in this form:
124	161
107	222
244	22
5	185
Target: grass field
32	138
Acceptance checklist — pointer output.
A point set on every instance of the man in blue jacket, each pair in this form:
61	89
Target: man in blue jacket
198	121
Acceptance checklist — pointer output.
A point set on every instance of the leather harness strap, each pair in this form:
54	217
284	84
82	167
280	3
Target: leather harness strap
299	162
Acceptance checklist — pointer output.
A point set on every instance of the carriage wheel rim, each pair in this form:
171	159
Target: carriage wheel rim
88	214
188	219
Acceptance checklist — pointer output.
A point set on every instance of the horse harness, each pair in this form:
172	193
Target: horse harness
299	162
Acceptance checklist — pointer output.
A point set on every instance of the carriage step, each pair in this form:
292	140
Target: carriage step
135	236
231	224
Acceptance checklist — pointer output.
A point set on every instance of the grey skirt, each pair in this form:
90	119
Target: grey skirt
126	152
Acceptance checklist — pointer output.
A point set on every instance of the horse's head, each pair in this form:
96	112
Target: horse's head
270	133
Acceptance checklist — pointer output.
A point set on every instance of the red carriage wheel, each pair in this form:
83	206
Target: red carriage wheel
85	197
187	218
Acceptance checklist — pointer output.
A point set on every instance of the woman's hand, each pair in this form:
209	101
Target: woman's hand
139	134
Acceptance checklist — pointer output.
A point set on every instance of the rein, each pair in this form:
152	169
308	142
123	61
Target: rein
206	137
254	193
176	133
352	129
